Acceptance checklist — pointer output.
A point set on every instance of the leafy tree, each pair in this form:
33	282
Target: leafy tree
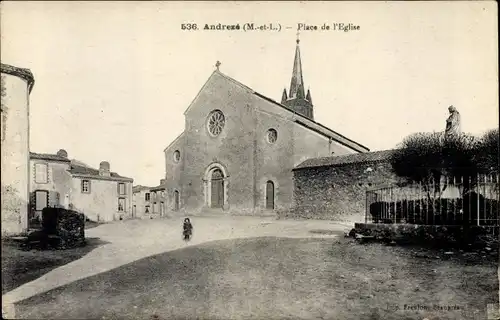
418	159
426	158
488	154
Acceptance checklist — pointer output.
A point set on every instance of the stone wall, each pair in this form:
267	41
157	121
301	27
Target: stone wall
16	87
337	192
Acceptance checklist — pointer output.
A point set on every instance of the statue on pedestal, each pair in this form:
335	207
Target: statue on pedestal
452	123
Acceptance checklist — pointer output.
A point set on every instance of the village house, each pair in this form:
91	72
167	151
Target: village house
57	181
149	202
141	201
158	199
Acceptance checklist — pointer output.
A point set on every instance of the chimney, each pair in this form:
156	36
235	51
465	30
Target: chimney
104	169
62	153
163	182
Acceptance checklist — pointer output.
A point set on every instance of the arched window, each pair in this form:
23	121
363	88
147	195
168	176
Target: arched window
270	195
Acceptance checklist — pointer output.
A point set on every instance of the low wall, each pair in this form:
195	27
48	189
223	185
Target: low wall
431	234
337	192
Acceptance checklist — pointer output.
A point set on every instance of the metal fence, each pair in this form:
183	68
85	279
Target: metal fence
457	201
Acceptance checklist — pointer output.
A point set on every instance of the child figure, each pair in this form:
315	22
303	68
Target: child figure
187	229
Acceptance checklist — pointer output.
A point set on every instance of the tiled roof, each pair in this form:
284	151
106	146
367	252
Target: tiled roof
365	157
78	167
140	188
48	156
86	171
160	187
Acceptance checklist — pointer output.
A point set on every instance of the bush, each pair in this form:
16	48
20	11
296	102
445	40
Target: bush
67	225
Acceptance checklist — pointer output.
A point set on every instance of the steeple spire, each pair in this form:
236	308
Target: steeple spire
297	100
297	83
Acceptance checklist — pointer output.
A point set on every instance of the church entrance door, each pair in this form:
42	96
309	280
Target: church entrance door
176	200
270	195
217	188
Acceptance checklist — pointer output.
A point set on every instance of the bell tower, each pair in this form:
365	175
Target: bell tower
297	100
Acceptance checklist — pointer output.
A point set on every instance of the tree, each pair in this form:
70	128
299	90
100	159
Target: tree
488	155
426	158
418	159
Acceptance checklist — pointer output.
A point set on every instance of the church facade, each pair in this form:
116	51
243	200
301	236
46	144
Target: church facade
238	148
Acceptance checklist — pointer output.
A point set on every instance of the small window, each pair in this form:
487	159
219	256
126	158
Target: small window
85	186
147	209
121	189
147	196
41	173
177	155
272	136
121	204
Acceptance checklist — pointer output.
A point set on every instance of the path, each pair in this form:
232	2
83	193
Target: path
132	240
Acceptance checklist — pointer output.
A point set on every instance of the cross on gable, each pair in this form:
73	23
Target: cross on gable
217	64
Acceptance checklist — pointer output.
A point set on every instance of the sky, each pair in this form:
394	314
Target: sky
113	79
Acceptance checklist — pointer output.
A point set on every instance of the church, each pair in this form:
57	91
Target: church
238	149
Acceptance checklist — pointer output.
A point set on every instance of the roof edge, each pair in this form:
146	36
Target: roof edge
94	177
22	73
173	141
297	168
39	156
200	91
260	95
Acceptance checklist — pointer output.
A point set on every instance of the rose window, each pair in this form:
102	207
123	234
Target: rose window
272	135
216	122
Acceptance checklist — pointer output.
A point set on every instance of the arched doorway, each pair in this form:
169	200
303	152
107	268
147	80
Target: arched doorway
270	195
176	200
215	186
217	189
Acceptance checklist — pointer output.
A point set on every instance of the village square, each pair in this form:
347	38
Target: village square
288	218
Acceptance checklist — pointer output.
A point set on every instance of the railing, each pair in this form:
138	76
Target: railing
464	201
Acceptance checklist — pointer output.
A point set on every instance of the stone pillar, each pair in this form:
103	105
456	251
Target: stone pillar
16	87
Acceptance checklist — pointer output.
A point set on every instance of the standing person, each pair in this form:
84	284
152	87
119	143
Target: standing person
187	229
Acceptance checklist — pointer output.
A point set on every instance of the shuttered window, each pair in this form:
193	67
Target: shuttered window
85	186
121	189
41	173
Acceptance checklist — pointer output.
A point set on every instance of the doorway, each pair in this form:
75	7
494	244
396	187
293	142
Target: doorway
176	200
217	189
270	195
41	201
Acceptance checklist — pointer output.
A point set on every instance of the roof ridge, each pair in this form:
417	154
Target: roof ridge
346	159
